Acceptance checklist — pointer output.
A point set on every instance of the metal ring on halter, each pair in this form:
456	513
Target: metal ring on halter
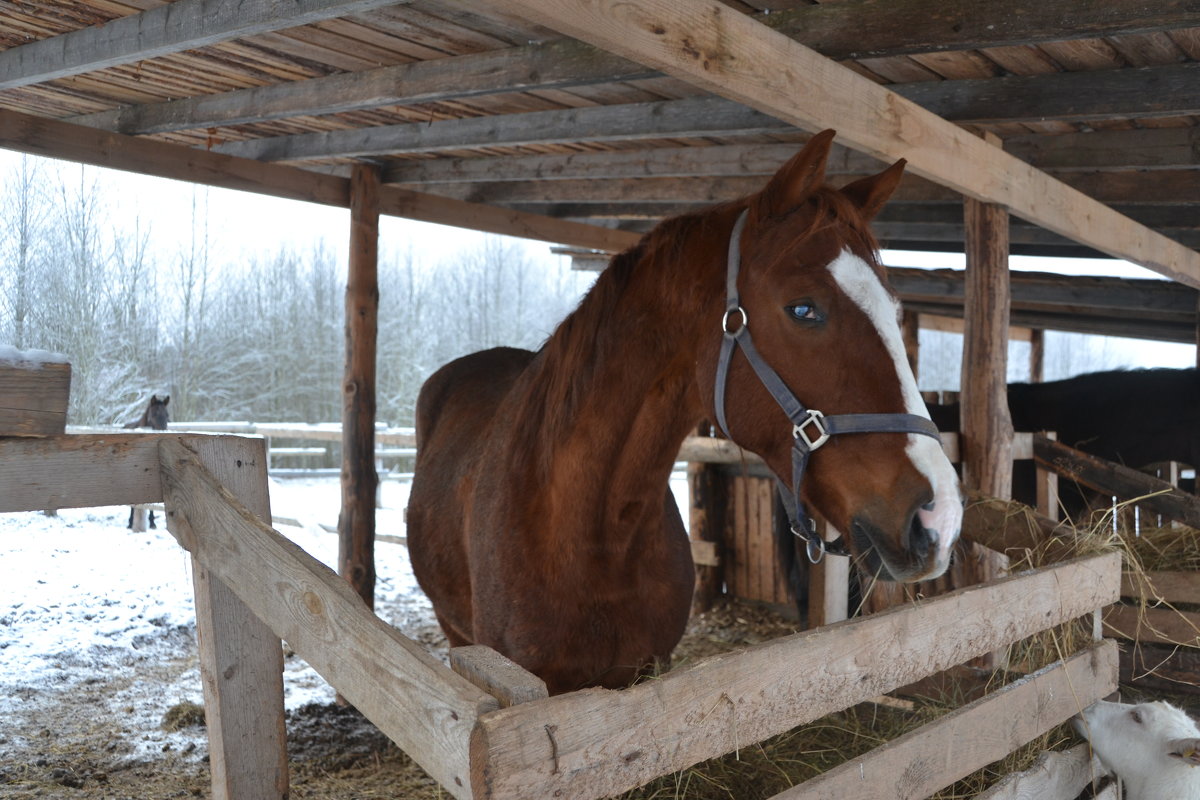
734	310
814	419
815	547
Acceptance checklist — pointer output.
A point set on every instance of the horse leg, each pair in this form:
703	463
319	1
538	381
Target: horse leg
152	525
130	525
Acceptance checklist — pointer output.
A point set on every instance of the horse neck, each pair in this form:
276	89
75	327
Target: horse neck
617	383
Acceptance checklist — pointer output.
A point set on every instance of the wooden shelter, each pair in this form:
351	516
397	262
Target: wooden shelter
580	124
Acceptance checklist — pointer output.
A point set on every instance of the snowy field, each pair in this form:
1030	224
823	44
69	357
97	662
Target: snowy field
97	625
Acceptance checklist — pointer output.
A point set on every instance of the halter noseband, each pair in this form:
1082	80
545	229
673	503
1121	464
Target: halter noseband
810	428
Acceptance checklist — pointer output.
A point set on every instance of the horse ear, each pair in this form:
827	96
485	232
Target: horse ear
799	177
871	194
166	399
153	399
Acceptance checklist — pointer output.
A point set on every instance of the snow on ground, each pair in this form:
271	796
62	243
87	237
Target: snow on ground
93	613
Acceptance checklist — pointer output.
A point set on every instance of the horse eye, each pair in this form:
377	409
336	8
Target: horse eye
804	312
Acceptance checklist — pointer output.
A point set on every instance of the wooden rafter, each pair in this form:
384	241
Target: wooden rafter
41	136
171	28
719	50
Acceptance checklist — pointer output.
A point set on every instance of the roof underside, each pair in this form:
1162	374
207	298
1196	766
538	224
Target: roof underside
473	103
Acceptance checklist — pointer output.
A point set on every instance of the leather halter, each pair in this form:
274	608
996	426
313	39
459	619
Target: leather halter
810	428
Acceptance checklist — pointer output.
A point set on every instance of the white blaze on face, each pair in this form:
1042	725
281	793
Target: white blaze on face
860	283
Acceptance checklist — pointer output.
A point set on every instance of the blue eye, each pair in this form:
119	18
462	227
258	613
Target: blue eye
804	312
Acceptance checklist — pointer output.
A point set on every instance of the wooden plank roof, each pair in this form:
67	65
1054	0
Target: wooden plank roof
511	114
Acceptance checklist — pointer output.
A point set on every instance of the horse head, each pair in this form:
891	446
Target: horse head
157	415
814	294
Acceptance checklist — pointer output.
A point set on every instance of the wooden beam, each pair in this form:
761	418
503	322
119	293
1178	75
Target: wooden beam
921	762
171	28
604	742
1152	494
1153	625
724	52
690	117
241	660
79	471
542	66
63	140
507	681
34	398
356	522
322	619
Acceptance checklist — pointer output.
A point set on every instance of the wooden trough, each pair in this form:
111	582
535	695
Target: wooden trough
254	587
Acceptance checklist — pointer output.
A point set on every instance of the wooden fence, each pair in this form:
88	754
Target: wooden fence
255	587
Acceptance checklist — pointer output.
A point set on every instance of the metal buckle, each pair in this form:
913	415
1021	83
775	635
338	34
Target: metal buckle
734	310
814	418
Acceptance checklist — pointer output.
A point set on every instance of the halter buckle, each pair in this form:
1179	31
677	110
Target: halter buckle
816	420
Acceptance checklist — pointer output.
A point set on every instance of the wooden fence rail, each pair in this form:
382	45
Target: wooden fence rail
586	744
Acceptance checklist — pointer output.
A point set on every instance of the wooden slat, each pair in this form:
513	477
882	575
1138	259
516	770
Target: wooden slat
171	28
935	755
720	50
76	143
412	697
1154	625
503	679
33	399
609	741
1174	587
1057	775
241	661
79	471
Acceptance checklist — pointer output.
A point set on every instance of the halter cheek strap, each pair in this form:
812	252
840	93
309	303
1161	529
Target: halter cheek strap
810	428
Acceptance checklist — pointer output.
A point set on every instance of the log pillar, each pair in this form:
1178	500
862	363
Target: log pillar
1037	355
709	491
985	422
356	522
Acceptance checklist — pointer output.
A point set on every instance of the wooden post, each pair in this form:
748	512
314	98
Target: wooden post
829	584
356	523
709	491
241	660
1037	355
986	424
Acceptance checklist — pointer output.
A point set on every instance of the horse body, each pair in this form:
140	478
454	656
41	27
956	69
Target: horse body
540	521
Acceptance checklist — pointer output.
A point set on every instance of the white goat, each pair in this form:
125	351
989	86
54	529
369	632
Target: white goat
1153	747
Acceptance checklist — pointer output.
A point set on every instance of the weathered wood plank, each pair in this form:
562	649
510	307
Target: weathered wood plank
608	741
171	28
1057	775
412	697
503	679
722	51
79	471
1153	625
241	660
932	757
33	399
1174	587
1152	494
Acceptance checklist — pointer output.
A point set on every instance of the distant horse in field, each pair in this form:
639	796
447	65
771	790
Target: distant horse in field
540	521
155	416
1131	417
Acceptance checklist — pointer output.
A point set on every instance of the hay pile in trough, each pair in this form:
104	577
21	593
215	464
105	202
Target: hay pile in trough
772	766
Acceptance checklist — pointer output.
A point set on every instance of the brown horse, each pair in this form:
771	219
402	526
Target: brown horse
540	522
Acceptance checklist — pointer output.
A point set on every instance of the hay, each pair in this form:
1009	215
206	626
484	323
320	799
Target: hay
783	761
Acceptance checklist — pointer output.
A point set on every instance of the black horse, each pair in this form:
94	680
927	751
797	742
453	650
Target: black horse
155	416
1131	417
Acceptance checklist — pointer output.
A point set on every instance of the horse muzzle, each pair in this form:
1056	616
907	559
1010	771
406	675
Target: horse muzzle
917	549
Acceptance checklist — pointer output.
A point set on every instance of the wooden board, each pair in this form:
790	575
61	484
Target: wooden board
412	697
33	399
720	50
935	755
609	741
1174	587
79	471
1154	625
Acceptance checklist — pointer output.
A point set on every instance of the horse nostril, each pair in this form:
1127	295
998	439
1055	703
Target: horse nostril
921	540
